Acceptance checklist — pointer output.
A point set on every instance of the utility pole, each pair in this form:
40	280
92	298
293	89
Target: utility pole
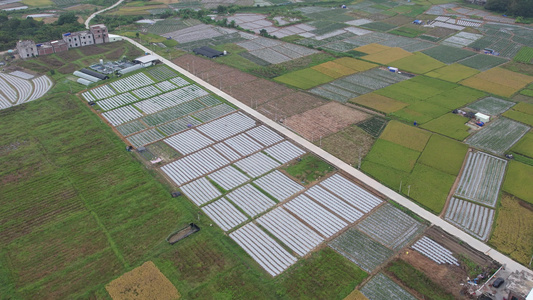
408	190
400	190
359	164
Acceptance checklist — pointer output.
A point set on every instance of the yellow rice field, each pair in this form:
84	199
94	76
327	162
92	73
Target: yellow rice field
387	56
379	103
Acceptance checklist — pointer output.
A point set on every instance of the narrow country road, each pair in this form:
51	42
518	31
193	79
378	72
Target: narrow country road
510	264
100	11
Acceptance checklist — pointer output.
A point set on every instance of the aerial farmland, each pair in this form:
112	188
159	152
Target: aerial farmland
334	151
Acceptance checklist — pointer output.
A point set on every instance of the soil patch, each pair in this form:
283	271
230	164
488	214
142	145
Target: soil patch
69	55
346	144
324	120
289	105
92	50
68	69
144	282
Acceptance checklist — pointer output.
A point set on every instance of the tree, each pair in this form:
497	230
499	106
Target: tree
221	9
67	18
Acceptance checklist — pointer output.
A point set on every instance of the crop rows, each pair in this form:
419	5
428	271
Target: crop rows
131	128
145	137
278	185
229	153
243	144
170	99
87	96
382	287
334	203
121	115
525	55
200	191
263	249
326	223
24	87
165	86
361	249
146	92
193	166
351	193
224	214
209	100
264	135
474	219
10	93
228	178
131	82
293	233
214	112
481	178
161	73
227	126
41	85
284	152
434	251
22	75
250	199
257	164
491	105
117	101
188	141
103	92
180	82
499	136
391	227
173	113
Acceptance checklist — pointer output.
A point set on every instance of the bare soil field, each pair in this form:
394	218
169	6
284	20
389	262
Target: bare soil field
324	120
195	64
289	105
347	143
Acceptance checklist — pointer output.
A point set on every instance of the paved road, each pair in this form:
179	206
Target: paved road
100	11
511	265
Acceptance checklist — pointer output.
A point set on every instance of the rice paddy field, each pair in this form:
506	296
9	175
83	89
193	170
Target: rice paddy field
499	81
516	179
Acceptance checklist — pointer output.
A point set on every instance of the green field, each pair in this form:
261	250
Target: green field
309	169
450	125
304	79
456	98
518	181
407	32
419	63
525	55
421	112
429	187
525	145
405	135
393	155
447	54
453	73
483	62
449	160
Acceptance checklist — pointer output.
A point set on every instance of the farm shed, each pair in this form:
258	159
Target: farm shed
84	81
131	69
114	38
85	76
482	117
207	52
147	60
94	74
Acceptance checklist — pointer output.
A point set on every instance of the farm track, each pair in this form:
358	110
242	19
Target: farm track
378	187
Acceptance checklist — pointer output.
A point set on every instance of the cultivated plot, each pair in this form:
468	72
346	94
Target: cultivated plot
251	200
435	251
391	227
279	185
472	218
201	191
491	106
481	178
498	136
334	204
18	88
228	177
351	193
382	287
224	214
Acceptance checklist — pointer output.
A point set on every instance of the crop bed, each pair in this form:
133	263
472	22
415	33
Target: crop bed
173	113
373	126
145	137
214	112
257	164
483	62
131	128
161	73
264	135
117	101
170	99
227	151
278	185
435	251
227	126
324	222
178	125
121	115
228	178
188	141
499	136
284	152
201	191
263	249
447	54
289	230
361	249
224	214
334	204
351	193
132	82
472	218
481	178
491	106
243	144
250	199
382	287
391	227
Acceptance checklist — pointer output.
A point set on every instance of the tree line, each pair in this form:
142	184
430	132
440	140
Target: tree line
518	8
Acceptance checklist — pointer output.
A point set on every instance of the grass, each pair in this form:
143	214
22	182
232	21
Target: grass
304	79
525	55
519	116
420	112
449	160
393	156
453	73
499	81
456	98
38	3
405	135
309	169
483	62
416	89
325	275
416	280
513	232
407	32
450	125
417	63
388	176
525	145
518	181
429	187
378	103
